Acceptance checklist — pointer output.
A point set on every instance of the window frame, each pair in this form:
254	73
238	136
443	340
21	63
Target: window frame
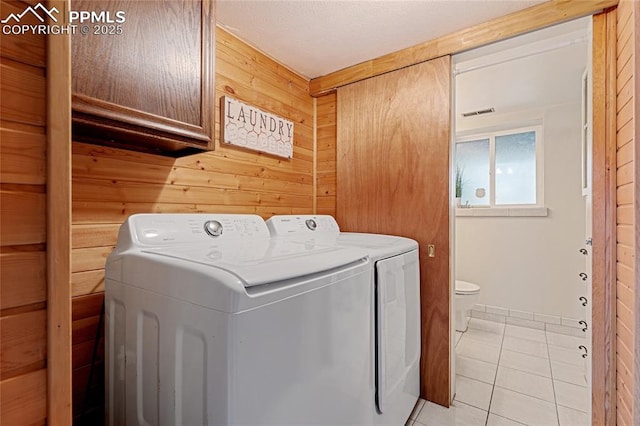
492	163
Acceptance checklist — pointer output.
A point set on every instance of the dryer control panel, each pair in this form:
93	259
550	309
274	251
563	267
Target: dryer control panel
301	225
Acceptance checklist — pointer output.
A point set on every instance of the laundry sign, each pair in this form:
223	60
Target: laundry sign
250	127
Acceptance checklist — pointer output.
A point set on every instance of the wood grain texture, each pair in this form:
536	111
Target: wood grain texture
603	226
22	89
24	399
635	59
26	48
393	178
88	212
536	17
22	279
628	302
22	154
22	217
87	282
23	342
109	184
326	179
23	292
155	80
59	225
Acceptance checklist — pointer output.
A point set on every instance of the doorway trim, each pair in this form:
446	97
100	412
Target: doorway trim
603	271
604	222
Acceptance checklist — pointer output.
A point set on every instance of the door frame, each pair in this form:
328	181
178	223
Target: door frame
603	272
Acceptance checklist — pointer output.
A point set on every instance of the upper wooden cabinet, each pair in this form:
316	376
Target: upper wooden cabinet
151	87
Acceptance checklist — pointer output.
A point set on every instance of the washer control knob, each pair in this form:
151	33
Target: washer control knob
213	228
311	224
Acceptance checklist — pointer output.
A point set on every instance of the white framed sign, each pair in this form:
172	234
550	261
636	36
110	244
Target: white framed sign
250	127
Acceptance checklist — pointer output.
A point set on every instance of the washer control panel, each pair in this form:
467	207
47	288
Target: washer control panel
300	225
166	229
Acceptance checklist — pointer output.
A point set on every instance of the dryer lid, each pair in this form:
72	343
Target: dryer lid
260	262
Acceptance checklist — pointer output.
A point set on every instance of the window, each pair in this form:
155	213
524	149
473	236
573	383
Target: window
501	168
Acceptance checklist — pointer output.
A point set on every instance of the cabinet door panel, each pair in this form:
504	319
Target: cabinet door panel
152	83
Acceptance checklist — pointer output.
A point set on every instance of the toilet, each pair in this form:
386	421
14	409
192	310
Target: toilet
466	296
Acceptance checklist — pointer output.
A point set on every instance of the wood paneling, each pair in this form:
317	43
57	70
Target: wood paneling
23	227
393	178
326	154
540	16
23	93
28	269
109	184
627	231
26	48
22	154
22	217
24	399
23	342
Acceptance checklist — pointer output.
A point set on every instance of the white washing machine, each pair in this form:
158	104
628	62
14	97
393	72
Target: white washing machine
209	321
396	280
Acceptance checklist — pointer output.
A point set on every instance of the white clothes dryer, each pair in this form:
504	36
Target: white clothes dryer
209	321
396	282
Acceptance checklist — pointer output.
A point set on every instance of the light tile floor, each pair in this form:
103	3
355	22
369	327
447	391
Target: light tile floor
510	375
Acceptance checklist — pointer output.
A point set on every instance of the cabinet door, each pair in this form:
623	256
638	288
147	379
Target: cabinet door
146	83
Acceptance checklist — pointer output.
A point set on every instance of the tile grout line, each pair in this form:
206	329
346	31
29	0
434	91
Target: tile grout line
550	377
553	385
526	394
504	335
495	377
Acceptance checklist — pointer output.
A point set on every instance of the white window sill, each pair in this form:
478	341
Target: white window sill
503	211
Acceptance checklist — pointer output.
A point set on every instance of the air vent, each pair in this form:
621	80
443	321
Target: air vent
479	112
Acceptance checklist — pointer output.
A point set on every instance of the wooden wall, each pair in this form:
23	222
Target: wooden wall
326	154
110	184
23	288
627	214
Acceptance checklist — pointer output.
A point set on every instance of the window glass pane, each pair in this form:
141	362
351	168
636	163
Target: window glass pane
472	162
516	168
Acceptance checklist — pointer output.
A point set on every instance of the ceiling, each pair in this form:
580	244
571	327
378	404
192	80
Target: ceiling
317	37
532	71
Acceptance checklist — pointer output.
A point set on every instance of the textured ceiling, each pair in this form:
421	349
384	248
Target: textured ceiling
316	37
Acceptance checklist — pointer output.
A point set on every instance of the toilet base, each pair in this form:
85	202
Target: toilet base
462	320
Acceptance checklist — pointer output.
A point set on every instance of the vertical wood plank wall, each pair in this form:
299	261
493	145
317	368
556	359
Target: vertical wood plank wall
627	231
110	184
326	154
23	287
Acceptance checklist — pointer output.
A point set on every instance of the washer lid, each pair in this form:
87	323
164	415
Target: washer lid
259	262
